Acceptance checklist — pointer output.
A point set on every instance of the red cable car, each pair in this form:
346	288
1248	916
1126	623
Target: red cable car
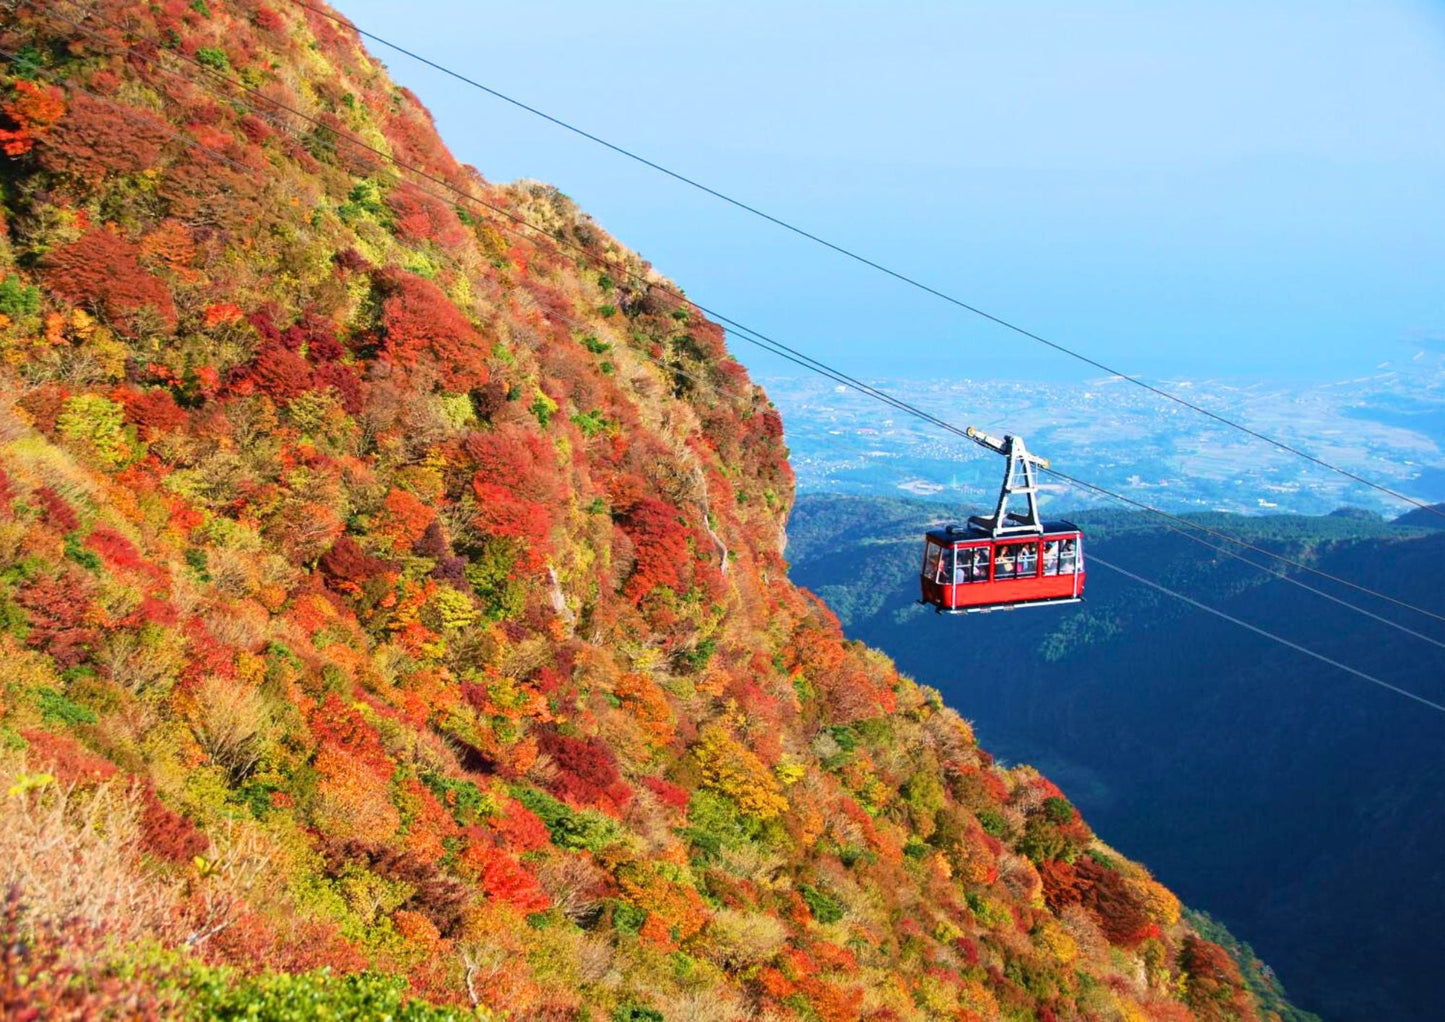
1006	560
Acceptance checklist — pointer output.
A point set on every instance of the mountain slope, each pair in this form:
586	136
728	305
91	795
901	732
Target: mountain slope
1298	804
1424	518
388	591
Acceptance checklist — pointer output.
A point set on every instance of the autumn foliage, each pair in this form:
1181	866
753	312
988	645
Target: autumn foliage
423	331
393	615
102	272
32	111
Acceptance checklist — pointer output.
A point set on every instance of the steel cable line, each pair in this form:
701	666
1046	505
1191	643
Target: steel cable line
1280	574
756	338
841	449
1245	544
1275	573
1096	559
873	264
762	341
743	331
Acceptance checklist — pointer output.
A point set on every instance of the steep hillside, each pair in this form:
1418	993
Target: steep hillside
1301	806
388	591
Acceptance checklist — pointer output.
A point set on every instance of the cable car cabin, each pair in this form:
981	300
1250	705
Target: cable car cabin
968	570
1006	559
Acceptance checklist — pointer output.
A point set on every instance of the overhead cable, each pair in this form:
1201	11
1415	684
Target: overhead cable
762	341
877	266
1096	559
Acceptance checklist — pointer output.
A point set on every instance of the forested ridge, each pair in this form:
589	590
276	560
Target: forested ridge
393	614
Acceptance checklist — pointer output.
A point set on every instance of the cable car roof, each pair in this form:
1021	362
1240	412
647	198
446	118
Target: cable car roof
973	532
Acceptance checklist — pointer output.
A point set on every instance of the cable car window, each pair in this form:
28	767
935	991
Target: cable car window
1016	560
1029	560
976	564
931	552
1051	557
1068	556
945	567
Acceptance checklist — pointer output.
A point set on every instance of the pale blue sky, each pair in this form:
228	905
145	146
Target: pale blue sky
1222	188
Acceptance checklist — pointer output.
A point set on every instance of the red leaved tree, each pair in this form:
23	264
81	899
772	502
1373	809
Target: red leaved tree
422	328
587	772
1118	910
660	541
420	216
102	136
1214	988
102	272
33	111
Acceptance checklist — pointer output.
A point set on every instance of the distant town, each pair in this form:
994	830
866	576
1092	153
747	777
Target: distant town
1115	435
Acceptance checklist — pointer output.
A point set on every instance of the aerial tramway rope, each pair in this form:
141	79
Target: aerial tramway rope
1096	559
752	336
875	265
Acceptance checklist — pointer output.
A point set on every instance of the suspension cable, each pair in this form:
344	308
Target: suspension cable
761	340
745	333
1096	559
877	266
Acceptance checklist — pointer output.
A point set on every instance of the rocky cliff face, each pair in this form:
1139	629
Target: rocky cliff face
390	582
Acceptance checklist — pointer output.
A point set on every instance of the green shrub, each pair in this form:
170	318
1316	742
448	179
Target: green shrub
27	63
825	908
627	916
992	821
697	658
77	552
844	735
591	423
490	573
587	829
56	708
364	201
716	822
637	1013
543	407
1042	841
466	801
280	997
1058	810
13	618
96	423
197	561
17	299
213	57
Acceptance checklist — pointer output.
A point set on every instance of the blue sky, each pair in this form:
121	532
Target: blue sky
1221	189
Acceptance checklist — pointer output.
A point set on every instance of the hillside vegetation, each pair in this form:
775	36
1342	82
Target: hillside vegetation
392	610
1291	800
